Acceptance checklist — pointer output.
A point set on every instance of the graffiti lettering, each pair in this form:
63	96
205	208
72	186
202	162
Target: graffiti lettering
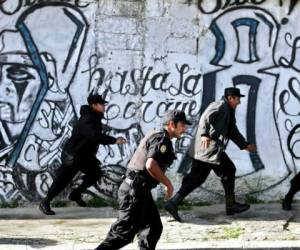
219	4
286	95
11	7
291	63
151	110
143	80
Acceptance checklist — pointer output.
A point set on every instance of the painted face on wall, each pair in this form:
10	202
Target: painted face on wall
19	85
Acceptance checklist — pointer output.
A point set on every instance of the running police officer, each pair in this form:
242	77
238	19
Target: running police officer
79	153
138	213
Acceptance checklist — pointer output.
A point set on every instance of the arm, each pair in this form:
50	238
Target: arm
237	137
96	135
156	172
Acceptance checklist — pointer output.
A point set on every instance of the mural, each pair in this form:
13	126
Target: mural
47	70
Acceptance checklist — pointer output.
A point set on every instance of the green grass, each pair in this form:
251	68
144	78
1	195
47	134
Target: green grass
97	202
59	203
250	199
201	203
101	202
12	204
184	205
233	233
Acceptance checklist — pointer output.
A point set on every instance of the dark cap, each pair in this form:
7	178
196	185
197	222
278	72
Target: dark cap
176	116
95	98
233	92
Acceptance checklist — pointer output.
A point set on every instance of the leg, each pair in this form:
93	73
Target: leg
122	232
226	171
295	187
92	173
151	230
64	176
199	172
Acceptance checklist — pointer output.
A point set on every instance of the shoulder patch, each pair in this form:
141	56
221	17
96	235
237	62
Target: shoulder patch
163	149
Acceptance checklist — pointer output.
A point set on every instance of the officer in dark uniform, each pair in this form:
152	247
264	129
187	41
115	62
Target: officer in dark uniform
295	188
138	213
79	153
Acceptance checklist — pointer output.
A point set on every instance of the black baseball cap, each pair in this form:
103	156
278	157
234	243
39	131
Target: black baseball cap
233	91
176	116
95	98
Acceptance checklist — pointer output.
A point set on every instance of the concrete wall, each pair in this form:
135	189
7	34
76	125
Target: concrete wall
146	57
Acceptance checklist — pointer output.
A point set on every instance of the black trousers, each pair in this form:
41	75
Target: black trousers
295	185
64	175
138	215
200	171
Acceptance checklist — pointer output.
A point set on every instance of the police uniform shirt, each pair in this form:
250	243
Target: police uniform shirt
156	145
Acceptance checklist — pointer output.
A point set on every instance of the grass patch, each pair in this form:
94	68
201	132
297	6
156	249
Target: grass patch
233	233
59	203
97	202
291	237
184	205
201	203
250	199
12	204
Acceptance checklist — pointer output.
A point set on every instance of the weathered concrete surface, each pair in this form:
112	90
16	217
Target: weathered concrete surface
265	226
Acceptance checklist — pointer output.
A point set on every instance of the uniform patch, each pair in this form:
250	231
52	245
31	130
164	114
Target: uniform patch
163	149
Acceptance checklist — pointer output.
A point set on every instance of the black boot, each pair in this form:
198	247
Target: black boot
76	196
233	207
287	204
45	208
171	206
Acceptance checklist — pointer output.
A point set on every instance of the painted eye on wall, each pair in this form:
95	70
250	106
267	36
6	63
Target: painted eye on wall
17	73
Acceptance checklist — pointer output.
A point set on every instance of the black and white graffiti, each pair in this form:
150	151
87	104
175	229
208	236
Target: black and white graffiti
47	70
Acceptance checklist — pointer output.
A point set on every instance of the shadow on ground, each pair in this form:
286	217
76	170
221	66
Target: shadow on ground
215	214
32	242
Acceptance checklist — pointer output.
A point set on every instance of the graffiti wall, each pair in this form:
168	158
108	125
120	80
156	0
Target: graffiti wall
146	57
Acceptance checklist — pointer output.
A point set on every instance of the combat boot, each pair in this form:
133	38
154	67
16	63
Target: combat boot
76	196
45	208
172	206
233	207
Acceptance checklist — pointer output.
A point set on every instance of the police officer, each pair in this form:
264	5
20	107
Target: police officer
79	153
138	213
217	125
295	188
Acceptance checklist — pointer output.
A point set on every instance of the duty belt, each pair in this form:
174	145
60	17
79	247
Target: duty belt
136	176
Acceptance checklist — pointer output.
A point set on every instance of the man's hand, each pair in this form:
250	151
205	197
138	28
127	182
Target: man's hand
121	140
251	148
205	141
169	191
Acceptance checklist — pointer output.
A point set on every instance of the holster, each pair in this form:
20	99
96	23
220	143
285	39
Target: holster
135	179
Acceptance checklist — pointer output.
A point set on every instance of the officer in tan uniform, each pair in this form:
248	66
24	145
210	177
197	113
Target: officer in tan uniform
138	213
